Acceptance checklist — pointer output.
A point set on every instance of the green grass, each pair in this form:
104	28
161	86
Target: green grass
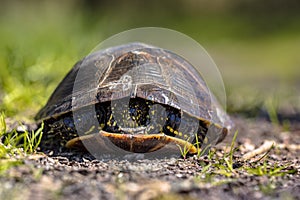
184	150
266	169
15	146
219	170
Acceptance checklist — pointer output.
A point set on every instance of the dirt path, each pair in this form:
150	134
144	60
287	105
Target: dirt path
69	176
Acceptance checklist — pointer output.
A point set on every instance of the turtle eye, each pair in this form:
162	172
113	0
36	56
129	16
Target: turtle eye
68	121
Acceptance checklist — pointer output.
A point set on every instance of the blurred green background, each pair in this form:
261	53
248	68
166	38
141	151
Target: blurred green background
255	45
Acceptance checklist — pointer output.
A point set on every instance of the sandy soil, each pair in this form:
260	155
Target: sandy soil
72	176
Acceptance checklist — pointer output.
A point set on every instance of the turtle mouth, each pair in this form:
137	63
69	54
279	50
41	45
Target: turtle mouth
137	143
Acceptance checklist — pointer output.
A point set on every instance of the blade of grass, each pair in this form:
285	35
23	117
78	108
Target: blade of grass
2	124
232	148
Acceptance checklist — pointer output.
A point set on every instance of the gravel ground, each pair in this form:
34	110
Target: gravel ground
72	176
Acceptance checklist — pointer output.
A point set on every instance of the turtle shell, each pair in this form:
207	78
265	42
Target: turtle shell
134	78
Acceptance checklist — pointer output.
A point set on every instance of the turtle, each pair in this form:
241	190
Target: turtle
136	96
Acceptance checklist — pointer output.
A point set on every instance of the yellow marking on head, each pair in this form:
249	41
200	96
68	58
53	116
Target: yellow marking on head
90	130
109	120
170	129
